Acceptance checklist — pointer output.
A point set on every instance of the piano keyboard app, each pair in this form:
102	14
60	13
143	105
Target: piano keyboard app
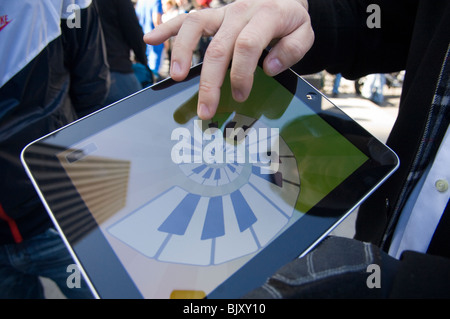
235	189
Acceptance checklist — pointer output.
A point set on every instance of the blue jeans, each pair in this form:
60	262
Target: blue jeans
337	83
44	255
122	85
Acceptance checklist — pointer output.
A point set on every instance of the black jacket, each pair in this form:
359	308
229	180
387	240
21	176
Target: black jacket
123	34
414	35
67	79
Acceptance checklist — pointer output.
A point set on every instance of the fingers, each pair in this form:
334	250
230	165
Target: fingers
164	31
195	25
252	40
289	50
241	32
217	58
268	22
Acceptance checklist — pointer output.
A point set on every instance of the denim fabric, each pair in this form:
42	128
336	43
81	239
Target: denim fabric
122	85
44	255
336	83
337	268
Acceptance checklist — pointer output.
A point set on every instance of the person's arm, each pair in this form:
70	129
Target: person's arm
347	268
85	56
157	14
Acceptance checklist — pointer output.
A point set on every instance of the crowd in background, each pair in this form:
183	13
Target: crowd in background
60	67
134	65
56	70
151	13
156	66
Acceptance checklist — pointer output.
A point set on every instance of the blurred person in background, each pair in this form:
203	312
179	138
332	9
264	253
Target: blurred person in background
373	88
219	3
149	13
123	36
170	10
185	6
336	85
203	4
53	72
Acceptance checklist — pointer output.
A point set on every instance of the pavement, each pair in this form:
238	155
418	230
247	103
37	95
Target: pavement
376	119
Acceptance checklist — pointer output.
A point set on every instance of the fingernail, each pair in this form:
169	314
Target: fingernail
274	66
175	67
203	112
238	96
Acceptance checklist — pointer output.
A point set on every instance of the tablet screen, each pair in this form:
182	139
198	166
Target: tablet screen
186	208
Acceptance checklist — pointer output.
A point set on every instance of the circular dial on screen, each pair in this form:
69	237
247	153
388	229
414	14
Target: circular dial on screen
234	196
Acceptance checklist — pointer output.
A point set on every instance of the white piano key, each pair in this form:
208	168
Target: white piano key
235	243
210	178
189	248
140	229
269	219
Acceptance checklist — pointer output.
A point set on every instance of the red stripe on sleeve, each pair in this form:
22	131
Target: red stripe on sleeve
12	225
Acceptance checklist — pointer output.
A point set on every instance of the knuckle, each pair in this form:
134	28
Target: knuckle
293	47
179	45
193	18
237	77
207	87
238	7
297	47
247	43
274	8
216	51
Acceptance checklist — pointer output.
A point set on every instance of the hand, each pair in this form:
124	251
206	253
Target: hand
242	30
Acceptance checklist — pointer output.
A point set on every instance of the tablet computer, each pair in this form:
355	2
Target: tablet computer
154	203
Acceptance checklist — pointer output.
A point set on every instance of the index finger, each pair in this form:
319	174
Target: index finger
217	59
